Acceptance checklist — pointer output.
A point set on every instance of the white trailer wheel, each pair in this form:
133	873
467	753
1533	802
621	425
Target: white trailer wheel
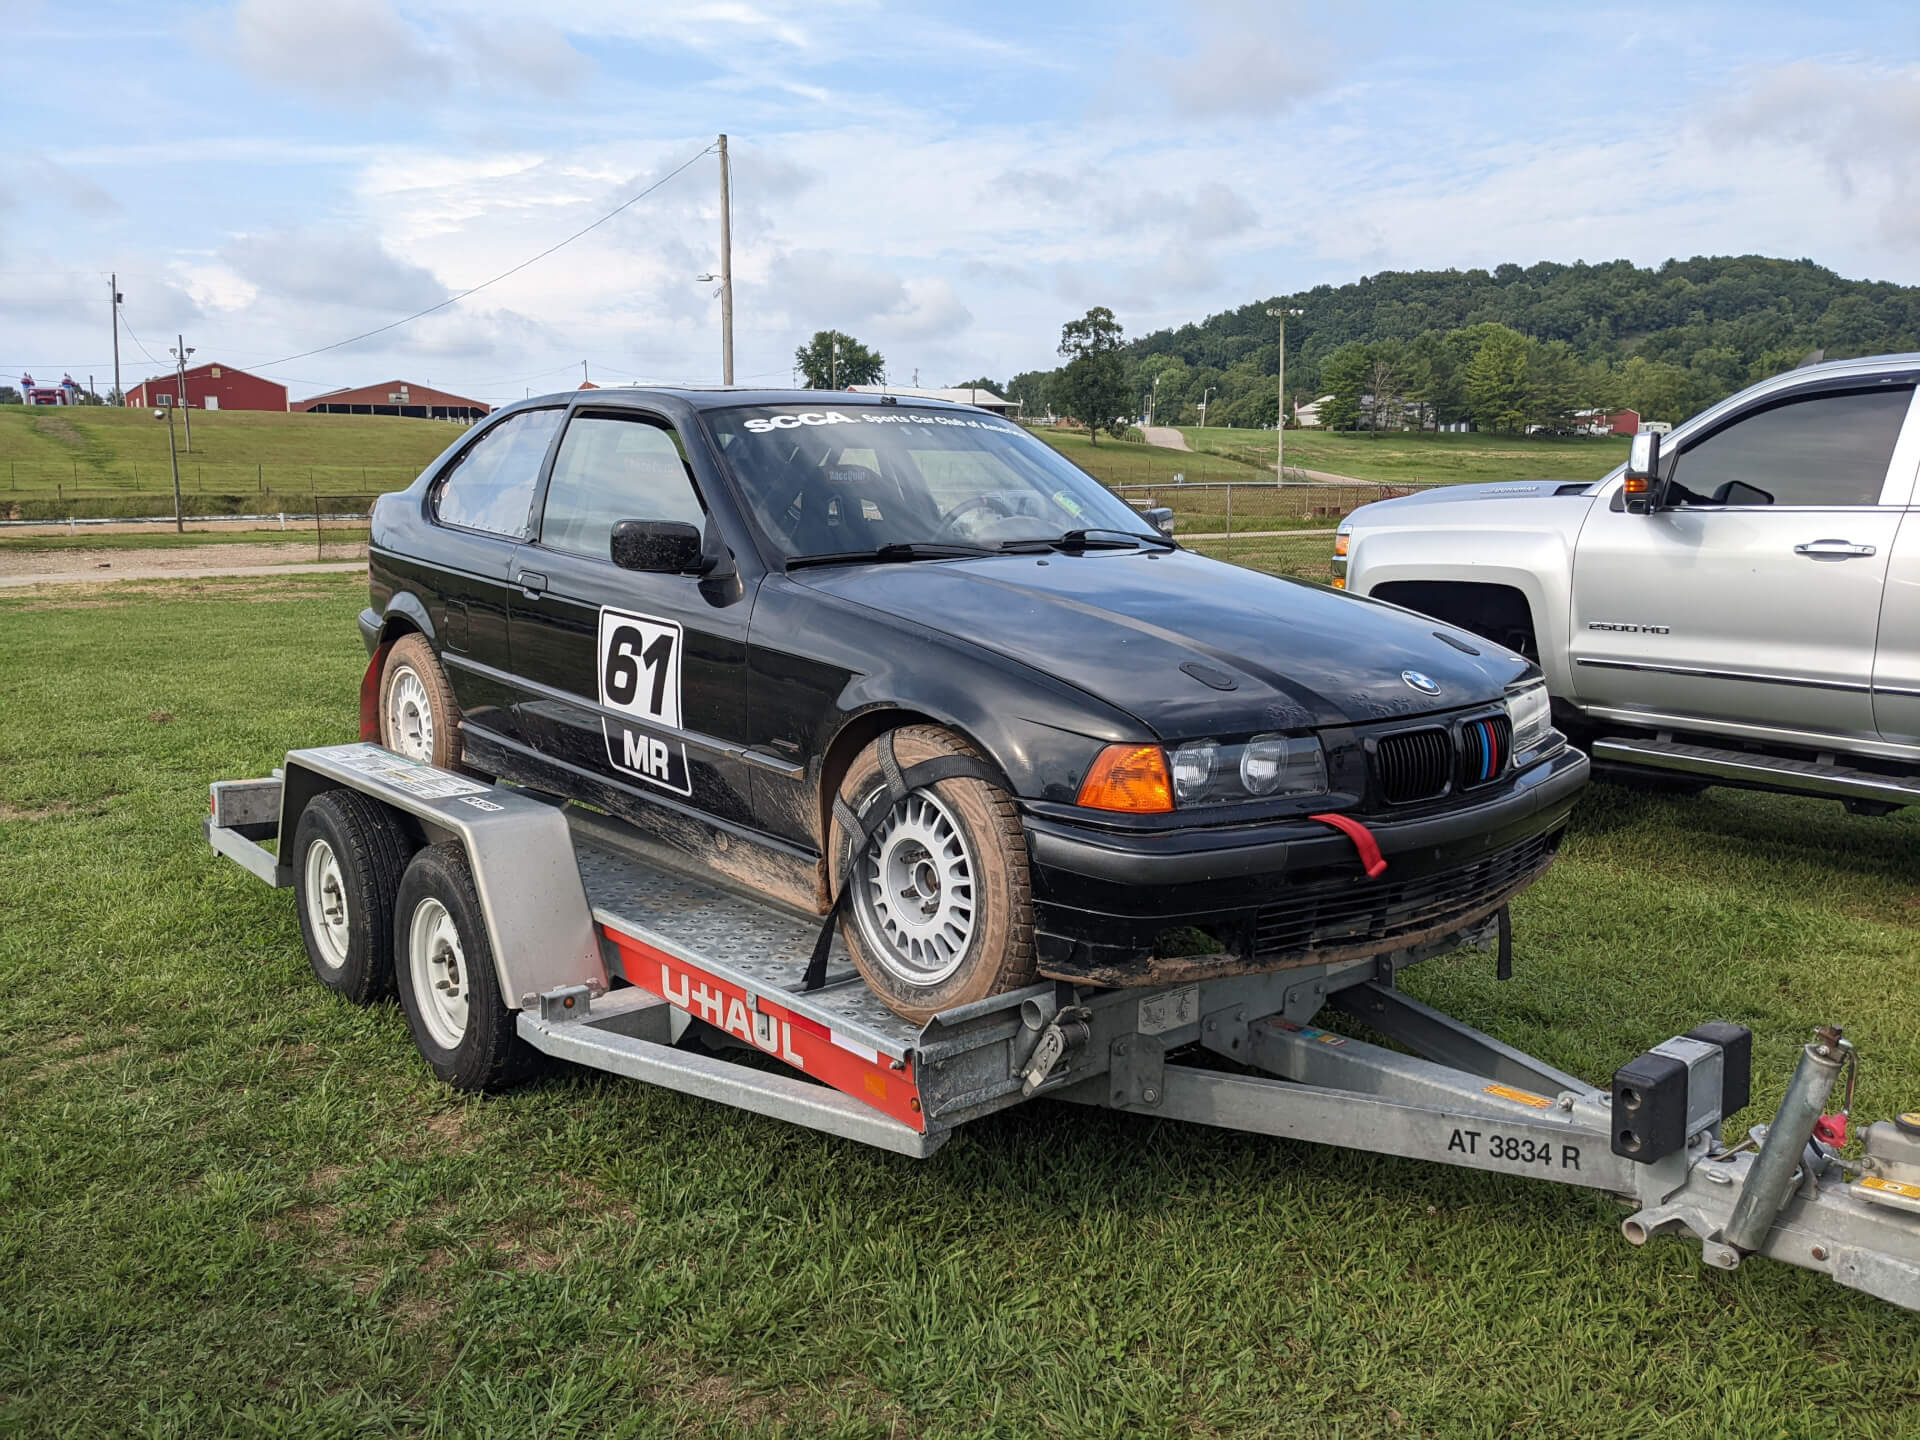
438	969
326	899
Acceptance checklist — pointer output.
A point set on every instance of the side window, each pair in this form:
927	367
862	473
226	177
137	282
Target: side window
613	468
1827	450
490	487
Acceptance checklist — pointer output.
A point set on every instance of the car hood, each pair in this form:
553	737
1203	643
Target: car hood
1494	491
1259	653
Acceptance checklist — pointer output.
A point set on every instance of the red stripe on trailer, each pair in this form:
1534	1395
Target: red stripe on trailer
767	1025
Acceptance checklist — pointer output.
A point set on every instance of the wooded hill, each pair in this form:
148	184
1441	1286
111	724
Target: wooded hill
1518	346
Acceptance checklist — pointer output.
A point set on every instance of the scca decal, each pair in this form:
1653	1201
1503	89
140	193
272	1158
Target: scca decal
760	425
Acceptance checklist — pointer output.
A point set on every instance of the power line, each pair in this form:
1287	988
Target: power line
454	299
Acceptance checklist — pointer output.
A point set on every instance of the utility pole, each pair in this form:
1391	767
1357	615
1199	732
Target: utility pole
833	363
113	289
179	524
180	353
1280	412
726	267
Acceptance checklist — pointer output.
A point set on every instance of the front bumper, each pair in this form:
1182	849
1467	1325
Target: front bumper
1164	908
369	622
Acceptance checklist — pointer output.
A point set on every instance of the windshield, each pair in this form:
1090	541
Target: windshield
830	481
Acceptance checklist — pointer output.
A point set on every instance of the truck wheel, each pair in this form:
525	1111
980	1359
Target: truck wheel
418	715
939	909
448	987
348	852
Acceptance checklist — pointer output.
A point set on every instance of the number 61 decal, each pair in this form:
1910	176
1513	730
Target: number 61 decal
640	666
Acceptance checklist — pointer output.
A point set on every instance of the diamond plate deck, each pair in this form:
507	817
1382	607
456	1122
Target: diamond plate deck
756	945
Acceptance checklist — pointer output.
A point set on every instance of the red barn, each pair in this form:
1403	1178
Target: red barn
396	397
211	387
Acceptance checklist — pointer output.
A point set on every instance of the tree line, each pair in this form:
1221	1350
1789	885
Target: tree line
1504	349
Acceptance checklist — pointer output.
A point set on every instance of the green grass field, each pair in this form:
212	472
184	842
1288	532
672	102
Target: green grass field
118	457
231	1204
1401	457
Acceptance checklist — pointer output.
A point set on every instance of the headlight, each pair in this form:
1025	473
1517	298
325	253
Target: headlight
1531	714
1192	770
1207	772
1283	765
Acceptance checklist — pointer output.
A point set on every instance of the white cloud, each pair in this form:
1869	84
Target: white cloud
331	266
1860	123
1246	58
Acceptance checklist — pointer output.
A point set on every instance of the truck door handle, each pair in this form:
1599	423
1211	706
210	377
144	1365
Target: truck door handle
1832	550
532	582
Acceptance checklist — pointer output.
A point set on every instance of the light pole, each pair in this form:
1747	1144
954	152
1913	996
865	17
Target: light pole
180	353
1153	400
833	365
1205	396
165	412
1280	412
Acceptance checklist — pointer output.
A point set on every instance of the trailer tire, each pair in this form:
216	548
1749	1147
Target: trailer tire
419	717
966	931
443	966
348	855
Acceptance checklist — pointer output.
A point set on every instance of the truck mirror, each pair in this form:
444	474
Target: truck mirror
660	547
1643	472
1160	517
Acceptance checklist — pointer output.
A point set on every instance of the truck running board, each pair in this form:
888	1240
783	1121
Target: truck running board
1746	767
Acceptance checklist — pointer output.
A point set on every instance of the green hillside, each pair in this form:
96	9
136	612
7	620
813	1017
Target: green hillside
102	451
1667	340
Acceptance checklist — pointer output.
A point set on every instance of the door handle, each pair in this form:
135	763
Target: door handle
532	582
1832	550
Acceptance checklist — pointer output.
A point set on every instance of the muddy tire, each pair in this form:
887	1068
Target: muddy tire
419	717
443	966
939	912
348	855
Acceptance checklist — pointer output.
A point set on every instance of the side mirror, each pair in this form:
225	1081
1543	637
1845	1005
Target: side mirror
1643	473
659	547
1160	517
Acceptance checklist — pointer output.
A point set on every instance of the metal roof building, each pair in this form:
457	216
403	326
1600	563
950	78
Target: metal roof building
959	395
211	387
395	397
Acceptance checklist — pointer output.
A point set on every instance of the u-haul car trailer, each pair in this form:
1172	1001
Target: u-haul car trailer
614	959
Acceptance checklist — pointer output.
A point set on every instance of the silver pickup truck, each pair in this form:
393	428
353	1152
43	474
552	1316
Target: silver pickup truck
1738	605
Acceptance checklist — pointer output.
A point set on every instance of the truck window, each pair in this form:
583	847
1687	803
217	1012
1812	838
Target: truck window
1824	450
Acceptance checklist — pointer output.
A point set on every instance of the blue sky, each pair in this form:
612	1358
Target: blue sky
948	183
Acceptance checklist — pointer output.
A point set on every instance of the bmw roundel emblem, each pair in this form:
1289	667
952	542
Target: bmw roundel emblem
1420	682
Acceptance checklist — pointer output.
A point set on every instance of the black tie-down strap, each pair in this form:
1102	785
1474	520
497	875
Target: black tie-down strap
863	824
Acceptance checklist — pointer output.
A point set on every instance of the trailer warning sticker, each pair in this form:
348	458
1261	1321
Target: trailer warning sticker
1519	1097
421	781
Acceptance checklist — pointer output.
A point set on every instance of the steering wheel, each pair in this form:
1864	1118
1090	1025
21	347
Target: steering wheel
989	501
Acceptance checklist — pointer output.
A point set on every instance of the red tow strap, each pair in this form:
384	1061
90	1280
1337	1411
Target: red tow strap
1370	857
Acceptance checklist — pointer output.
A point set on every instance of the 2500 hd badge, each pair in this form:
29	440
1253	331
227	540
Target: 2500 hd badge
903	664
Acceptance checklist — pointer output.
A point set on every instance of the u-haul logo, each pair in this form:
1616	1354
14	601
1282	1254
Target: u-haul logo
729	1013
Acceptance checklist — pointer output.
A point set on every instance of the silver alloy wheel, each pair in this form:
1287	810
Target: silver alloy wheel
326	905
409	715
913	892
437	966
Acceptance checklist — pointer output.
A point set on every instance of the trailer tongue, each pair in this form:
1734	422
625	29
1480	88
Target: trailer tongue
614	959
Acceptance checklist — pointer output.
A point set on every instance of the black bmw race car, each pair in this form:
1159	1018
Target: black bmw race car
902	663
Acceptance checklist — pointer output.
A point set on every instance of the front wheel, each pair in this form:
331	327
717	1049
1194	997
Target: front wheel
443	963
939	909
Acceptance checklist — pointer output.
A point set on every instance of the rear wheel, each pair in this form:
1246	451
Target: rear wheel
348	853
940	906
443	963
419	717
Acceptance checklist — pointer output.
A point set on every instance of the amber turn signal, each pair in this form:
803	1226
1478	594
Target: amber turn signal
1340	543
1129	778
1637	485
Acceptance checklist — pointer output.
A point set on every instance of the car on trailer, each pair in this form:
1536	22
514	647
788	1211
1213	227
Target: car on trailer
902	666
